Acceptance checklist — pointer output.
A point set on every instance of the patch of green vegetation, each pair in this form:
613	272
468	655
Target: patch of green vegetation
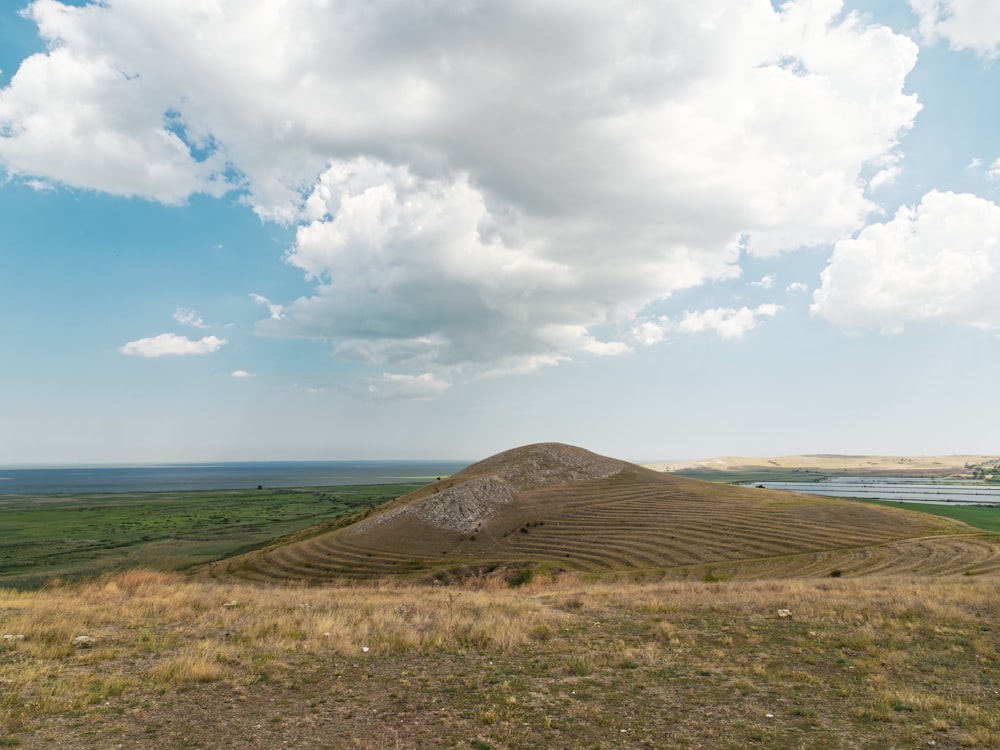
522	577
88	534
712	577
981	517
758	475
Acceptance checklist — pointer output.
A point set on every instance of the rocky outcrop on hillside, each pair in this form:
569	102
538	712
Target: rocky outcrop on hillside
476	493
463	508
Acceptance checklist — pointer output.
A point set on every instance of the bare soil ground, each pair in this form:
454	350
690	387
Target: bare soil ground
861	663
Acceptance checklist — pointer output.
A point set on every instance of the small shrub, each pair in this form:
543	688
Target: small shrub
542	632
580	666
523	576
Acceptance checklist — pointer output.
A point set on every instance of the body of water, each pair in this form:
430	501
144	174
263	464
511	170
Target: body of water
903	489
222	476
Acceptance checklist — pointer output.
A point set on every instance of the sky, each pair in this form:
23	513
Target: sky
656	229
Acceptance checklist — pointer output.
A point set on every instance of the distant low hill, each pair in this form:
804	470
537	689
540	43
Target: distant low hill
555	507
957	465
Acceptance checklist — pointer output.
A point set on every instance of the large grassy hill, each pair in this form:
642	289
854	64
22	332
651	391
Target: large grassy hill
556	507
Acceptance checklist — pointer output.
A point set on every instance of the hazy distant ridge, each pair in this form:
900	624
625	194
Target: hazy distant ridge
942	465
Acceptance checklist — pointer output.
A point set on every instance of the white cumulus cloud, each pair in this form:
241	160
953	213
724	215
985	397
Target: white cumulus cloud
240	374
939	260
404	386
277	311
765	282
172	344
965	24
725	322
482	185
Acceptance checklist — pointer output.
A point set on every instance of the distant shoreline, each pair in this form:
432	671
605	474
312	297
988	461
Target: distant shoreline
242	475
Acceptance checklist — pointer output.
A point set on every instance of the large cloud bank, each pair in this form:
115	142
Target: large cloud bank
939	260
478	185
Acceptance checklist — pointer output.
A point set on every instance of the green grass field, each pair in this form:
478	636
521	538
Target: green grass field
980	517
84	535
760	475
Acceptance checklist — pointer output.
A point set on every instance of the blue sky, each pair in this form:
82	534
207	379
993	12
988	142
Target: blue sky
255	231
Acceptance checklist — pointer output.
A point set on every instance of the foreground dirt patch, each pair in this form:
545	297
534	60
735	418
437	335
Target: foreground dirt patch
818	663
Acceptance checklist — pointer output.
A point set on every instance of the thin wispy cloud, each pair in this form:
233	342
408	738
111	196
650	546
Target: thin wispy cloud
393	386
188	317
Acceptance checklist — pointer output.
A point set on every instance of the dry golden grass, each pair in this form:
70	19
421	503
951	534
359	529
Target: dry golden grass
861	662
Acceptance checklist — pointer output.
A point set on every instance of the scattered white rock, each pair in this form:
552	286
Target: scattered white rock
784	613
14	637
496	481
84	641
769	716
364	649
232	603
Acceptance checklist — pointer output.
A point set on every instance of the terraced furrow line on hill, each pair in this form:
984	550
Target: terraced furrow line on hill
693	547
340	546
713	534
948	555
610	552
298	563
935	556
592	551
776	537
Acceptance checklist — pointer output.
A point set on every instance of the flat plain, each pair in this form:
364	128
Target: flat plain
80	535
